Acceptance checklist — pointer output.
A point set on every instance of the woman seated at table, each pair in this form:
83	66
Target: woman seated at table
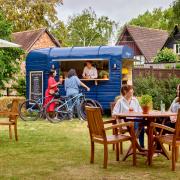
129	103
174	108
171	122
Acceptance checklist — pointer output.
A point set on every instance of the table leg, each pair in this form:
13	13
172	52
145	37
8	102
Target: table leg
150	140
130	149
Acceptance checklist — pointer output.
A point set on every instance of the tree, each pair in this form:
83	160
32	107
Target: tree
157	19
176	10
25	15
86	29
60	31
9	64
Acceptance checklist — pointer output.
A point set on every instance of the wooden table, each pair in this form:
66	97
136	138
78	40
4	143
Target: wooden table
148	118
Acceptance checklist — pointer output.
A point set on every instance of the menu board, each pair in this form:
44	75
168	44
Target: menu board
36	85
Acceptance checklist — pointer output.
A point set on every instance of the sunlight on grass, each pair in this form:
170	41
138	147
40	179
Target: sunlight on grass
61	151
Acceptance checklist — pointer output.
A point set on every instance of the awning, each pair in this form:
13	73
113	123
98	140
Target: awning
4	43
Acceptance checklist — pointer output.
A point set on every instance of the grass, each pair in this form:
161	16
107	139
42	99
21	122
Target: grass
61	151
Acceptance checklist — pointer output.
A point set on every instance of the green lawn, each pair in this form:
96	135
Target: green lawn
61	151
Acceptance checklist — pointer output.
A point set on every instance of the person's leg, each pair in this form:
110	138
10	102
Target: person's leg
141	135
141	138
70	103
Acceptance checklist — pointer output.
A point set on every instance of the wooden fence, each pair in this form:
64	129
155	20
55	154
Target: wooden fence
157	73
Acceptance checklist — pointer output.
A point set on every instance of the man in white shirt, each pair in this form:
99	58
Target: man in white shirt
89	71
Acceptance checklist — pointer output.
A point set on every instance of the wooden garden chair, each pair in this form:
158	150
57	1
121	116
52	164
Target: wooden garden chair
121	130
172	139
12	116
97	132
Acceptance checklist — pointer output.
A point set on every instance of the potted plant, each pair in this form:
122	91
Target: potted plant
146	103
103	74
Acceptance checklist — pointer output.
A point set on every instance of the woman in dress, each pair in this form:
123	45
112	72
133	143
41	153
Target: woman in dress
51	89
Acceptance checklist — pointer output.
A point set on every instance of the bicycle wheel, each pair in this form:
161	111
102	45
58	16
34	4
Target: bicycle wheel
99	105
29	110
81	110
59	113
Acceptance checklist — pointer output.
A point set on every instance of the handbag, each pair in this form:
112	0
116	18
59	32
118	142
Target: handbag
51	91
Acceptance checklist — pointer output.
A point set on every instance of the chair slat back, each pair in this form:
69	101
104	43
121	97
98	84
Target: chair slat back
95	122
14	109
177	134
112	104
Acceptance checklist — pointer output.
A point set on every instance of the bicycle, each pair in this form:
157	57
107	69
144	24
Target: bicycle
67	107
31	110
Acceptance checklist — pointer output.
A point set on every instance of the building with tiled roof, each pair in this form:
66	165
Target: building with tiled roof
145	42
173	41
35	39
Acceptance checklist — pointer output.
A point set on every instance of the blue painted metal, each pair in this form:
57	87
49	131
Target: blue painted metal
105	91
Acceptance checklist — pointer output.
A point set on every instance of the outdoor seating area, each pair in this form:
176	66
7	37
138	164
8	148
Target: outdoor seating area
49	151
90	90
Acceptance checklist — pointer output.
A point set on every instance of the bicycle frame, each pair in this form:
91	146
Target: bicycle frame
40	104
74	100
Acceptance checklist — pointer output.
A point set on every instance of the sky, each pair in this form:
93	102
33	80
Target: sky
120	11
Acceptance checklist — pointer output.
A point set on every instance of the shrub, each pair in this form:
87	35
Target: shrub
177	66
166	55
20	86
160	90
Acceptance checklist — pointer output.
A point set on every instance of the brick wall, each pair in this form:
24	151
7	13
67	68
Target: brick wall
43	42
158	73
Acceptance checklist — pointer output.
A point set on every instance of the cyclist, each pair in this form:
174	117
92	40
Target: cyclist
51	89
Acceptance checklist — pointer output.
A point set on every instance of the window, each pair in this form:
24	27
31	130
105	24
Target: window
177	48
79	65
141	60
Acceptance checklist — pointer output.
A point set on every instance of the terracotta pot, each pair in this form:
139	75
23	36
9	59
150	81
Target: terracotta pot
146	109
105	76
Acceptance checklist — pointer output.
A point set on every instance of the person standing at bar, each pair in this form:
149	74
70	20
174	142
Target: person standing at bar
89	71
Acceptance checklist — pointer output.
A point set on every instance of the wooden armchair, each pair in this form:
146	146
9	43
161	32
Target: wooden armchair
97	132
172	139
12	121
121	130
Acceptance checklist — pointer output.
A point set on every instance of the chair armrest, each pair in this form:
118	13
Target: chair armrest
7	113
130	124
156	125
113	121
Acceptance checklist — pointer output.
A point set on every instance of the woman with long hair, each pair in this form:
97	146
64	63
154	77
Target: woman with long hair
72	83
51	89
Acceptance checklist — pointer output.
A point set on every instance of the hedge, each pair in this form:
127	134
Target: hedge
160	90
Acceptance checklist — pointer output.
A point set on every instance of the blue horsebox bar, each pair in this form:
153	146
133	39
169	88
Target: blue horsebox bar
90	59
107	89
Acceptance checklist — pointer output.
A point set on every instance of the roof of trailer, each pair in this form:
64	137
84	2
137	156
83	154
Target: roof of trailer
91	52
95	52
